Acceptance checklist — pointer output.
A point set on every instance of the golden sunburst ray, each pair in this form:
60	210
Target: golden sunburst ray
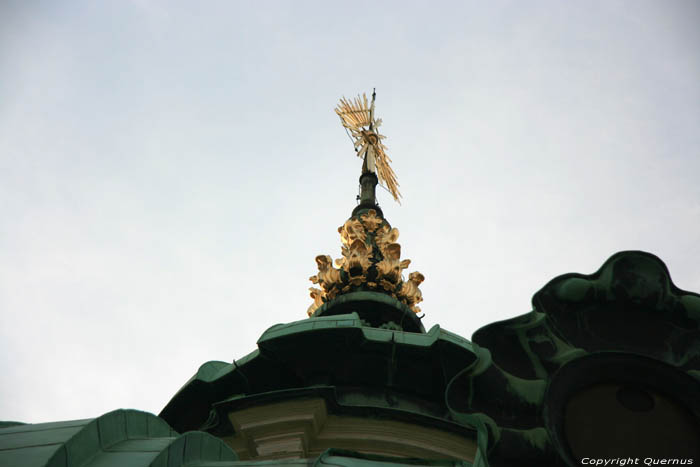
357	116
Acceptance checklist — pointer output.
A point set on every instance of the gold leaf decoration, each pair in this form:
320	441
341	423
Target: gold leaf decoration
357	116
371	221
410	291
386	236
371	260
352	230
317	295
328	277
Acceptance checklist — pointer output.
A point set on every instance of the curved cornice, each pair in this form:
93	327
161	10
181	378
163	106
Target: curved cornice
628	312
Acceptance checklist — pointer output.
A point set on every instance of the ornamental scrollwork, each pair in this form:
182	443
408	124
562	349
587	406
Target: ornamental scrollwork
410	293
317	295
371	260
371	221
386	236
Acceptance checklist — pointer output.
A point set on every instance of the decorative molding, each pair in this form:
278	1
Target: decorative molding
303	428
626	325
371	261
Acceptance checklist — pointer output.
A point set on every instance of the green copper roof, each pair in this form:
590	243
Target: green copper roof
116	439
376	309
129	438
327	351
627	323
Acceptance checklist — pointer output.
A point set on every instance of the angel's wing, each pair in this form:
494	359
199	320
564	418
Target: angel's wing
385	172
357	116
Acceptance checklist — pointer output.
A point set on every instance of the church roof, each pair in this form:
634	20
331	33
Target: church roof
130	438
354	355
115	439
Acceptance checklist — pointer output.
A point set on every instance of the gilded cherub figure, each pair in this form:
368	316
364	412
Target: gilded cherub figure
389	269
357	262
317	295
371	221
386	236
410	291
328	276
349	232
352	230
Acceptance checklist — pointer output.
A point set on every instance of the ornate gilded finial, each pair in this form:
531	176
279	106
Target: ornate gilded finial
371	261
357	116
371	258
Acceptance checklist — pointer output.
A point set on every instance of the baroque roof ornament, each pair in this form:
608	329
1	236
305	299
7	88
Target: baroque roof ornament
357	116
371	257
371	260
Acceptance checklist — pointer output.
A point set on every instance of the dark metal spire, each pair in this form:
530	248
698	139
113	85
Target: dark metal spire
368	196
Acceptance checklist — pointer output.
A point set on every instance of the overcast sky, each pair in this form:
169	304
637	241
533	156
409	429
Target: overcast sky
169	170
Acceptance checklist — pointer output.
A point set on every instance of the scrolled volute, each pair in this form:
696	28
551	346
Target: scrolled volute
371	260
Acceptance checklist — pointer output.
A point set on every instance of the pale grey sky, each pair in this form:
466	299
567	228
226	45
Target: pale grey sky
169	170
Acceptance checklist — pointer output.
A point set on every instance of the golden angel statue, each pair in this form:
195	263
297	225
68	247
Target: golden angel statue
357	116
